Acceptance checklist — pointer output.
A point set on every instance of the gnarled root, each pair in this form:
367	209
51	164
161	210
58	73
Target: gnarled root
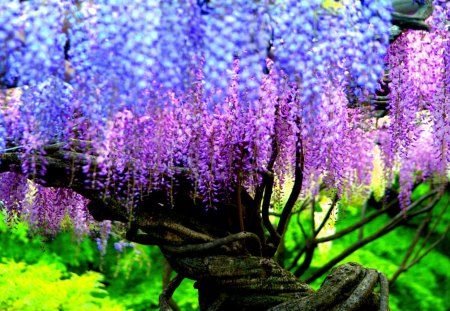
349	287
255	283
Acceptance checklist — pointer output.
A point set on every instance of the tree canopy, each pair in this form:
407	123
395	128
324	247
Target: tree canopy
234	105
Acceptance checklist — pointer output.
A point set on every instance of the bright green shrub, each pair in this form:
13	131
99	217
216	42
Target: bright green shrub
47	287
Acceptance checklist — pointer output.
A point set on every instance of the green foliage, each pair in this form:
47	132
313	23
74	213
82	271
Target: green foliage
132	277
44	286
423	287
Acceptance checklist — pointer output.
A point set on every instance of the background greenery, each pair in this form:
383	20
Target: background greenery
66	274
423	287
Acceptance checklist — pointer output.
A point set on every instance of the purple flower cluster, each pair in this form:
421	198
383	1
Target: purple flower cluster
119	49
214	146
420	95
13	188
45	209
233	143
164	86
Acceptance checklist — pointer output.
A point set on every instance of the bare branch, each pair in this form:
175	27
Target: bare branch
408	254
310	247
239	202
372	217
327	216
296	188
311	242
395	222
433	228
419	255
363	215
165	282
167	293
313	215
274	236
429	249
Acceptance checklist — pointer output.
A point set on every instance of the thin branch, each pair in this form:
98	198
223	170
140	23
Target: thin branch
165	282
303	249
410	250
302	229
239	202
395	222
438	220
313	215
279	214
371	217
327	216
316	232
297	258
352	228
265	208
298	211
419	256
167	293
429	249
296	188
311	243
274	214
309	248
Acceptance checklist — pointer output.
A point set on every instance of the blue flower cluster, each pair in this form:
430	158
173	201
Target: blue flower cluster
120	50
47	110
296	31
119	246
9	38
313	43
35	41
369	25
178	40
235	29
31	52
112	51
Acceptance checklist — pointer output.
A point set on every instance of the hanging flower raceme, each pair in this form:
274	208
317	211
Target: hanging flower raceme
45	209
163	87
13	189
420	96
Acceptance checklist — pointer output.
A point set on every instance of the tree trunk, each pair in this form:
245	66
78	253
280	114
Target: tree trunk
206	245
